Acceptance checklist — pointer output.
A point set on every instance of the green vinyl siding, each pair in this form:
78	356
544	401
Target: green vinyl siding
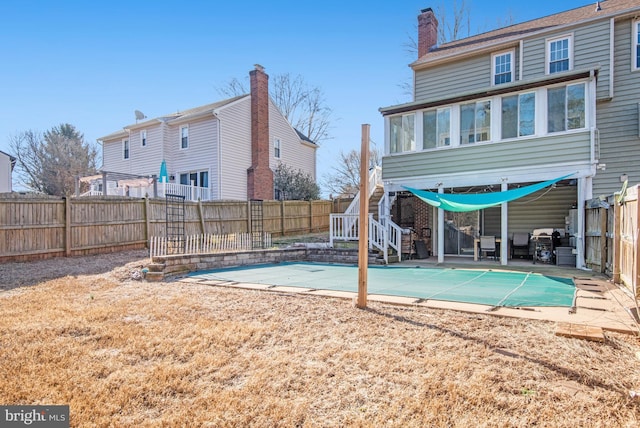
618	120
590	50
571	147
442	81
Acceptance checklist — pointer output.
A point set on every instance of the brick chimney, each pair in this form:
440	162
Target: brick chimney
259	176
427	31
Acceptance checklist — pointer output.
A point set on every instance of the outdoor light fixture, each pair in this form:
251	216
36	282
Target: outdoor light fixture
623	178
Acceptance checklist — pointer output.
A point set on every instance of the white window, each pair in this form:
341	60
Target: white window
276	149
436	128
502	70
559	53
125	148
475	122
402	133
635	45
184	137
199	178
143	138
566	108
518	115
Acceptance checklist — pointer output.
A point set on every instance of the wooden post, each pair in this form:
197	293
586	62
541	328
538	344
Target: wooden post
617	243
67	226
147	222
201	217
603	239
282	222
363	229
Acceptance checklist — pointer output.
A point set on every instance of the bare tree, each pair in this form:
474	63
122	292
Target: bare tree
49	163
304	106
345	177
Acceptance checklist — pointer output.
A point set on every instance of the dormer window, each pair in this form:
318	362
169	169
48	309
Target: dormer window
559	52
502	70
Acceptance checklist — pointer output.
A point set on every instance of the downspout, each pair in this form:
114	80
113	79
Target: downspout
219	163
440	228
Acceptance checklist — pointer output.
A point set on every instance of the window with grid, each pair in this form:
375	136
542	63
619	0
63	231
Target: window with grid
125	149
276	149
559	54
635	48
502	68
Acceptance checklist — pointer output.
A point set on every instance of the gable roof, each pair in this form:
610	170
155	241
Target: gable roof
513	33
11	159
177	117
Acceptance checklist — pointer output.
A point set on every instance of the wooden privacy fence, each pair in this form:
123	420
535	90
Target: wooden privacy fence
612	228
40	227
208	243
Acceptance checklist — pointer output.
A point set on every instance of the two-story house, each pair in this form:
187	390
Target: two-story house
227	150
7	163
548	98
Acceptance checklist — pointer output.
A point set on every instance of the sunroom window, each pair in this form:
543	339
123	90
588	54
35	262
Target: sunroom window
475	122
436	128
402	138
518	115
566	108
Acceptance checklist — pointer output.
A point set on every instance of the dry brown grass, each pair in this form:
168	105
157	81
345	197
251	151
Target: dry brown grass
128	353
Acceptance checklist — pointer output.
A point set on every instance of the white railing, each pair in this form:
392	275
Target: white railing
208	243
375	179
190	192
343	227
378	237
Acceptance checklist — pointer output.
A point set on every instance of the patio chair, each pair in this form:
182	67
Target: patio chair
520	245
488	245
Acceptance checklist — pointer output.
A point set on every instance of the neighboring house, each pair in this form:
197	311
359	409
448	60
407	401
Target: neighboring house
7	163
518	105
228	149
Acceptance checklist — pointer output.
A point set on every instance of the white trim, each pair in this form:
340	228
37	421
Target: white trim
180	129
547	54
512	59
634	44
521	61
126	148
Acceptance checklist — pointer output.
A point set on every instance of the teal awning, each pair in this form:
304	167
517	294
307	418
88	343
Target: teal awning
463	202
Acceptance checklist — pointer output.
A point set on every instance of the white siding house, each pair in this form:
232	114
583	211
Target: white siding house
7	162
210	147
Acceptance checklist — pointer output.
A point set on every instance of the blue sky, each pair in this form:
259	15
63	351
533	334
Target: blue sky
91	64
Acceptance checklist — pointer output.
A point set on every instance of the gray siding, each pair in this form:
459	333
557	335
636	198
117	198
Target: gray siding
546	208
235	159
448	79
574	147
591	50
618	120
112	157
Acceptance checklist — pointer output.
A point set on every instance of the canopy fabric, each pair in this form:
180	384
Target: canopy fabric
163	177
464	202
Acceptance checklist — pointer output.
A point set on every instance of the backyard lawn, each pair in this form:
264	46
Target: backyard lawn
124	352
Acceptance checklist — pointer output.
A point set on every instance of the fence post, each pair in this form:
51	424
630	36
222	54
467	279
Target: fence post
249	216
147	221
616	268
603	240
67	226
282	211
201	216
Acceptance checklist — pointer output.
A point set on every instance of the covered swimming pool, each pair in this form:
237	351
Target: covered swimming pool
484	287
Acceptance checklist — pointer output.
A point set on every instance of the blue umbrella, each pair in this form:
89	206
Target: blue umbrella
164	177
